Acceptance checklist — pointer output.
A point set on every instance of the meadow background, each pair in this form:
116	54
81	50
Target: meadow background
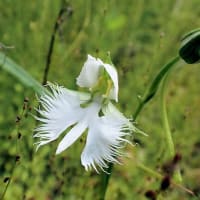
141	36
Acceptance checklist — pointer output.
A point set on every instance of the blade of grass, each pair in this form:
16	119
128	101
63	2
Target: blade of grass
18	72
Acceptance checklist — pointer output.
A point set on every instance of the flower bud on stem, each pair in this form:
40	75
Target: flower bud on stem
190	47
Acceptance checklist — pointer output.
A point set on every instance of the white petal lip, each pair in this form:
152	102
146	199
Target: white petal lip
105	138
60	111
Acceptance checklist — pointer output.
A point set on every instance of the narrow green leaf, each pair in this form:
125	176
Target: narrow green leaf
158	78
17	71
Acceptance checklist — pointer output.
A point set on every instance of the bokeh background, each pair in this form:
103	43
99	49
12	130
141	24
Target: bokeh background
141	36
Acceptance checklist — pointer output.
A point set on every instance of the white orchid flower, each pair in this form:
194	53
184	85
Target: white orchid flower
93	111
91	72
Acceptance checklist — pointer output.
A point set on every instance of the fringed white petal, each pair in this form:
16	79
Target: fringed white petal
89	73
111	113
115	116
58	112
113	75
104	141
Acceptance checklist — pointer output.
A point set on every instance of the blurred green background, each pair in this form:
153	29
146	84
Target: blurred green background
141	36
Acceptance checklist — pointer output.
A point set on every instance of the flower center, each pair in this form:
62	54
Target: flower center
103	85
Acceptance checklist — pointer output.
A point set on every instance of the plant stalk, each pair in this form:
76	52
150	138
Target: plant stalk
148	95
168	134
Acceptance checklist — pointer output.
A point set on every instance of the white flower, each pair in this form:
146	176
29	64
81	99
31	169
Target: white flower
106	126
91	71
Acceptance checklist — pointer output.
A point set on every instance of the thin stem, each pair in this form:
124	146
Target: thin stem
138	110
8	183
168	134
57	24
167	130
105	180
149	171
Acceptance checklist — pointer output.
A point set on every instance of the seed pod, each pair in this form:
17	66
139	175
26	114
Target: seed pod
18	118
150	194
6	179
177	158
190	47
17	158
19	135
165	183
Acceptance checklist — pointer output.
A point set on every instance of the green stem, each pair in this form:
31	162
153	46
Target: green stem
8	183
148	95
105	180
168	134
149	171
138	110
167	130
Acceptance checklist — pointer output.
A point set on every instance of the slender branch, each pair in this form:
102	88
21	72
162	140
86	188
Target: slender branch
9	181
57	24
167	131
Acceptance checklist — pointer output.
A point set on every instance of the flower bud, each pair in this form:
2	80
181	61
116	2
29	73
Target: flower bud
190	47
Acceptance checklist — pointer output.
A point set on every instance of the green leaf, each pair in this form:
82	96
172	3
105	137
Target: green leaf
157	80
17	71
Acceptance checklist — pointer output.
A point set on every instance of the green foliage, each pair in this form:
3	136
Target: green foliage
142	36
158	79
17	71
